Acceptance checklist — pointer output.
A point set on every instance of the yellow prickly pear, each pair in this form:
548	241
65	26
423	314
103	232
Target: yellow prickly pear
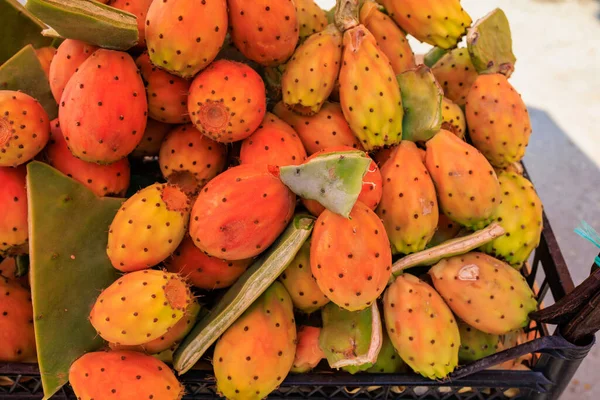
456	74
311	18
453	118
475	344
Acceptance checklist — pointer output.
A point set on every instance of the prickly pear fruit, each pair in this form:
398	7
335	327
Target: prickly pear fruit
45	56
167	94
148	227
474	344
453	118
265	31
390	39
69	56
351	258
421	327
369	92
24	128
139	8
241	212
246	365
103	109
183	36
446	230
311	18
152	140
327	128
388	361
140	306
10	270
308	351
300	283
311	73
498	120
103	180
204	271
189	159
484	292
123	375
13	202
466	183
409	207
273	143
520	214
439	23
227	101
351	340
17	341
456	74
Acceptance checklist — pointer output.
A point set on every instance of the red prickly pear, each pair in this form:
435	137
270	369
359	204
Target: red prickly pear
466	183
204	271
189	159
227	101
241	212
139	8
453	118
327	128
184	36
246	365
446	230
351	258
13	202
103	109
148	227
24	128
152	140
273	143
498	120
265	31
311	18
17	340
308	352
409	206
69	56
456	74
474	344
10	270
167	94
45	56
103	180
140	306
484	292
123	375
421	327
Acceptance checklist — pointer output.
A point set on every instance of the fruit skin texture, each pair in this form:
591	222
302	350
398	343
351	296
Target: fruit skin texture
311	73
189	159
456	74
273	143
45	55
103	110
474	344
520	214
227	101
204	271
125	375
13	202
167	94
421	327
246	365
24	128
498	120
409	206
300	283
327	128
390	38
311	18
466	183
139	8
148	227
9	270
484	292
265	31
446	230
308	352
69	56
351	258
17	340
241	212
453	118
388	361
369	92
152	140
185	36
103	180
440	23
140	306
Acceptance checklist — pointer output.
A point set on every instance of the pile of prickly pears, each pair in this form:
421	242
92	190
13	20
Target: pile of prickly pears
279	162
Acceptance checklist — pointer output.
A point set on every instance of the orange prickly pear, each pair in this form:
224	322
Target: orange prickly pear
17	340
453	118
13	219
152	140
308	352
446	230
139	8
10	270
311	18
456	74
45	56
69	56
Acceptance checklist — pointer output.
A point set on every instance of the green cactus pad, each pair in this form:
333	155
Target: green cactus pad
23	72
490	44
243	293
422	100
88	21
333	179
351	340
433	56
69	268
